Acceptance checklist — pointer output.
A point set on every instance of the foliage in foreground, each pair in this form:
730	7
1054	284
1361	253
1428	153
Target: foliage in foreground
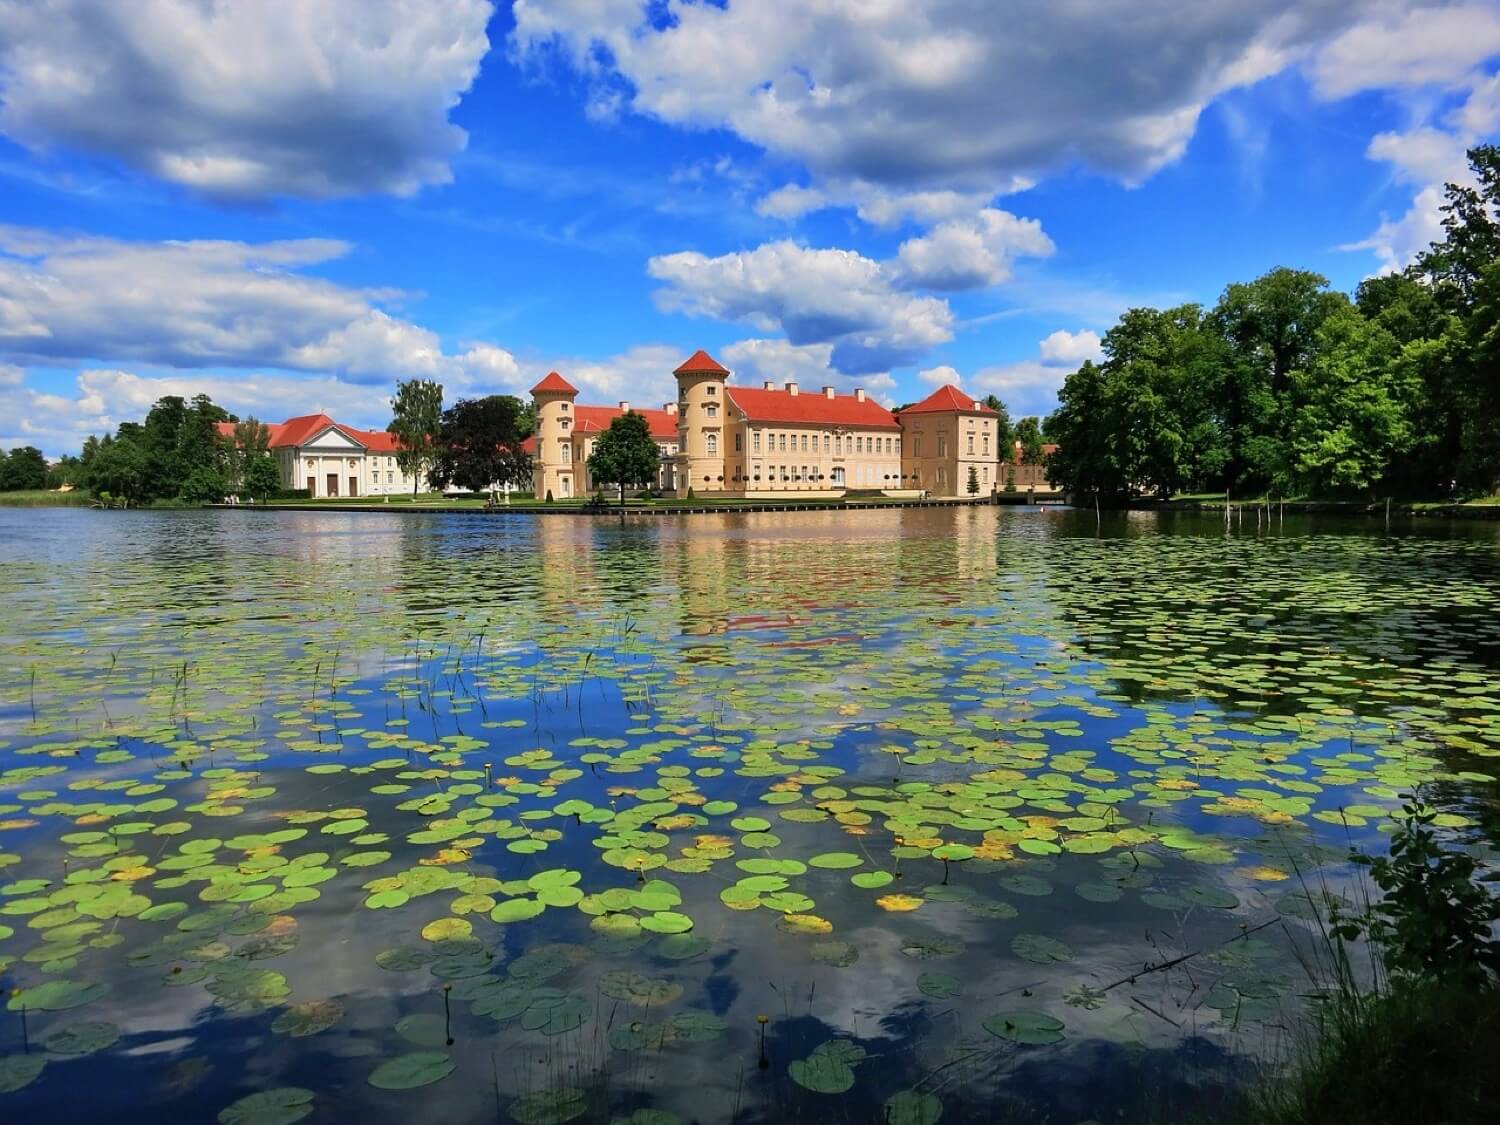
1420	1044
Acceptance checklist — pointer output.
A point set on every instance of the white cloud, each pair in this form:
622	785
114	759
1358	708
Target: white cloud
208	304
11	375
790	202
1026	387
246	99
950	95
970	254
1071	348
1397	242
103	398
836	297
940	376
757	360
1402	45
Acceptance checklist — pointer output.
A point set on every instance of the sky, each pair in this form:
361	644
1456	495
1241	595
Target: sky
291	205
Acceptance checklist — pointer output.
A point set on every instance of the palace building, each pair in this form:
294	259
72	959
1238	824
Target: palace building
723	440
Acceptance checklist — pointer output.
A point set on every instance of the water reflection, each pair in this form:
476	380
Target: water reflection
254	760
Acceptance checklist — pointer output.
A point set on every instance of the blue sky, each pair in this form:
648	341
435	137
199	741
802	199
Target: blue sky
293	204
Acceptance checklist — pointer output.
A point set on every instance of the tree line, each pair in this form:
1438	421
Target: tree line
1287	388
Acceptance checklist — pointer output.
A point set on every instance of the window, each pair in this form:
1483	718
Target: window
859	445
804	443
755	440
781	442
838	445
566	450
711	390
711	409
971	445
738	443
942	446
826	443
916	447
390	477
713	443
986	443
564	407
942	476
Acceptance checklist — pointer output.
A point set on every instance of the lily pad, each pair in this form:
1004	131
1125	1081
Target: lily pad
409	1071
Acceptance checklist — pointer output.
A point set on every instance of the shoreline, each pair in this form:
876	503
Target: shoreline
684	509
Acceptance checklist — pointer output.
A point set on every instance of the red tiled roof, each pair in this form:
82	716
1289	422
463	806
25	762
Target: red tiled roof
555	383
596	419
701	363
811	409
947	399
300	430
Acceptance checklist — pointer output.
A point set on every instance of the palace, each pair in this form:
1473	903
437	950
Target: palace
723	440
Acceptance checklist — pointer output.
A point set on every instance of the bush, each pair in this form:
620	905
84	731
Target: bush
549	496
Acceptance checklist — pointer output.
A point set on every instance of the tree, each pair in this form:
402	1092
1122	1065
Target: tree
120	465
261	477
1471	220
24	468
1349	409
1028	433
626	453
973	481
418	414
479	445
251	441
1005	437
1270	326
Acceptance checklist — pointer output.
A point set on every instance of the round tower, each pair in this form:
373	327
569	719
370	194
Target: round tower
553	461
701	413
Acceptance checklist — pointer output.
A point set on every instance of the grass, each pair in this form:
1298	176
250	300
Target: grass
42	498
1417	1052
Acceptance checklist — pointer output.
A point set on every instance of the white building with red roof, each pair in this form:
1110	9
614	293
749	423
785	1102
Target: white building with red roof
331	459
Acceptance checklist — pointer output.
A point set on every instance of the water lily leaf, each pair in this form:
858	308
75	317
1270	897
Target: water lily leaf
549	1107
898	903
870	880
17	1071
516	910
308	1018
912	1108
83	1038
56	996
666	922
836	861
281	1106
1039	948
409	1071
822	1074
1024	1026
940	986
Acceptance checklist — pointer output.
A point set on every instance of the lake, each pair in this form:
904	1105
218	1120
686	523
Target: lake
871	816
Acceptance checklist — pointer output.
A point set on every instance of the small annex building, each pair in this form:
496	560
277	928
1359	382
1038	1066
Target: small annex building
330	459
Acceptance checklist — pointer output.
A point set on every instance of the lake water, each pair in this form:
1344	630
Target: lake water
816	816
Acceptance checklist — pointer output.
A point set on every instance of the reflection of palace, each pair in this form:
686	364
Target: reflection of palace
724	440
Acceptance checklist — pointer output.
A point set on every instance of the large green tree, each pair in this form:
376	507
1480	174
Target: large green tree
479	445
417	415
1005	436
1270	326
1350	409
1028	432
23	468
625	454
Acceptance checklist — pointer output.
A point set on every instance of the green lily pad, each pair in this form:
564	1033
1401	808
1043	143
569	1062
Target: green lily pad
409	1071
912	1108
1024	1026
281	1106
18	1071
83	1038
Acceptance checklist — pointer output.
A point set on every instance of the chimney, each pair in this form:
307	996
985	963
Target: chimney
827	392
669	407
859	394
791	388
624	406
768	385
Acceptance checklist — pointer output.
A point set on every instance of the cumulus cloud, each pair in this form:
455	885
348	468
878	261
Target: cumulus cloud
836	297
1405	45
971	253
246	99
790	202
951	95
102	398
209	304
1071	348
941	375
